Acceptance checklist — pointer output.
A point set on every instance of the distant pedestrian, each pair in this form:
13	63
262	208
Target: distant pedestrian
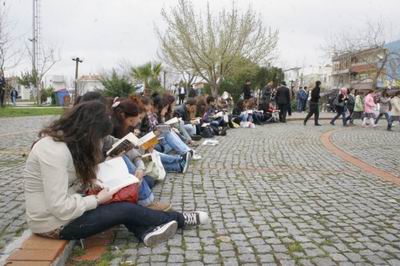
340	106
369	105
350	105
301	99
192	92
182	94
2	89
13	96
314	107
246	90
358	107
384	106
395	104
282	99
266	94
306	98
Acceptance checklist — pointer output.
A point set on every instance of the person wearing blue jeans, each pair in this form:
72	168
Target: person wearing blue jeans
170	141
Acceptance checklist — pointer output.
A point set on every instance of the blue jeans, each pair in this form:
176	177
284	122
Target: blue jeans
341	111
137	219
171	163
146	196
171	141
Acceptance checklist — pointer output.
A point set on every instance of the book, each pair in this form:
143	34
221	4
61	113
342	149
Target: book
114	175
163	128
210	142
172	121
130	140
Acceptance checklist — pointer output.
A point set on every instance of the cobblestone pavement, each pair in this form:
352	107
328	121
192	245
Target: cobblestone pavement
376	146
16	137
274	194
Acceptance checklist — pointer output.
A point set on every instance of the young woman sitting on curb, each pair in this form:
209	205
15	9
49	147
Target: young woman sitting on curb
64	159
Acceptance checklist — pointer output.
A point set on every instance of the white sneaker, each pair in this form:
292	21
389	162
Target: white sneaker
195	157
160	234
195	218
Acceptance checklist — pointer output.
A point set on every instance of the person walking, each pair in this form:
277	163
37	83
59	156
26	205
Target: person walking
358	107
282	99
395	104
13	96
2	89
384	106
340	103
369	105
314	107
301	99
350	105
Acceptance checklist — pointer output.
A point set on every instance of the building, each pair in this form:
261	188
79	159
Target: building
307	76
88	83
57	82
377	67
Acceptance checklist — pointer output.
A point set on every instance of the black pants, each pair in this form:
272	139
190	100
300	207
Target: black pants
137	219
340	111
282	112
181	98
314	110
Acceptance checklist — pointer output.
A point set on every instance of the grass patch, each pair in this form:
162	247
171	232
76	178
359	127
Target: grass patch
34	111
295	247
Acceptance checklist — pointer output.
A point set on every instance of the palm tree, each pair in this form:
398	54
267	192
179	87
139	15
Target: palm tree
148	74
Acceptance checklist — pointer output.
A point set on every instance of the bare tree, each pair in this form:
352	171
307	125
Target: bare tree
209	46
48	57
10	54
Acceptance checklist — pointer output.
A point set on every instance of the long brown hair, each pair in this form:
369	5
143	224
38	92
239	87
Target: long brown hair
120	111
82	128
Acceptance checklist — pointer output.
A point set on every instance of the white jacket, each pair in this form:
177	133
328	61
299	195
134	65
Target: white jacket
395	102
51	187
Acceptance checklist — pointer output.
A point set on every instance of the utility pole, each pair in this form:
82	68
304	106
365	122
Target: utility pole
77	61
35	46
165	75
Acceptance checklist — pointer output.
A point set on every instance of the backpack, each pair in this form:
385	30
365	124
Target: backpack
337	103
207	132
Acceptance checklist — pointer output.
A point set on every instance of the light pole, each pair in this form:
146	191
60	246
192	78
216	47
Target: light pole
77	61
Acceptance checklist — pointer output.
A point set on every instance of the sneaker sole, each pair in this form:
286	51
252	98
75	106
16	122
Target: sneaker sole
162	235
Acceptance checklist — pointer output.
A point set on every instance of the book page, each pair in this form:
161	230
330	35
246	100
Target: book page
114	174
123	144
172	121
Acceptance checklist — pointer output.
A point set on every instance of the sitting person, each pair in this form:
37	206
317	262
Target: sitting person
65	158
170	141
187	113
126	115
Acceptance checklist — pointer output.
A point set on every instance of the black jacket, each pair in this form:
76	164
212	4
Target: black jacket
282	95
315	95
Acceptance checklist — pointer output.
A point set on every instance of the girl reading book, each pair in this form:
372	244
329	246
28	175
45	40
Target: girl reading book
65	158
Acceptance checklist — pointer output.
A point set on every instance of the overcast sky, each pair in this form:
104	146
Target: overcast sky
105	32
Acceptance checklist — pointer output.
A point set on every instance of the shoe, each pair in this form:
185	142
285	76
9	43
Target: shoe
160	206
195	137
318	125
195	157
304	123
186	162
332	123
389	129
195	218
194	144
160	234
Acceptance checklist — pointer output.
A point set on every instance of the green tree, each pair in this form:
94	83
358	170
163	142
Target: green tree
149	74
116	86
208	45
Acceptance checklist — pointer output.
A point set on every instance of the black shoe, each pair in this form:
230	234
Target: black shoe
332	123
195	137
317	125
304	123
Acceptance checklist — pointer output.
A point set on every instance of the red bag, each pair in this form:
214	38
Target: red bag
129	193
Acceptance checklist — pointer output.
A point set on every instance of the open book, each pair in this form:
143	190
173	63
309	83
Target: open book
130	140
172	121
114	174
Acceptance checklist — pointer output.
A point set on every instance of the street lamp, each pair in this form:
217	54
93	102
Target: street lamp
77	61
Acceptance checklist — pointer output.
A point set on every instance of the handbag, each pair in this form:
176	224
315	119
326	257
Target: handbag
155	168
129	193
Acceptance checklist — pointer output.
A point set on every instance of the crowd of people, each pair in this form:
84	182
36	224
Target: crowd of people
350	105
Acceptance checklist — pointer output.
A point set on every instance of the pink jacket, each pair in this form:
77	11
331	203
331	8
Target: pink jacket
369	103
